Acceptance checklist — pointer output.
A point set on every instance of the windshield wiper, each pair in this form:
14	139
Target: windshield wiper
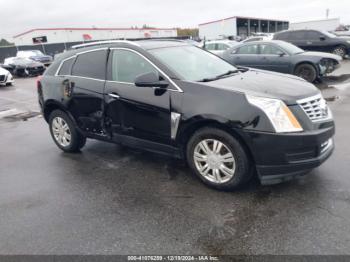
230	72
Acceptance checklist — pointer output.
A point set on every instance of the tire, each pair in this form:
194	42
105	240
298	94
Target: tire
340	51
240	168
307	72
64	133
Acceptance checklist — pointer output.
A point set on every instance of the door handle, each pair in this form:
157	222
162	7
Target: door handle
114	95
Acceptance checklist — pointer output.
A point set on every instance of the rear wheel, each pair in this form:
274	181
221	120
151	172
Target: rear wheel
340	51
218	159
64	133
307	72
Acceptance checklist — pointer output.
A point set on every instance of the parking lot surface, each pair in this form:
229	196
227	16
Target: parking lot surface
114	200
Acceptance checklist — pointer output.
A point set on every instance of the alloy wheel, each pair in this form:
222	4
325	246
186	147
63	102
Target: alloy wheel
214	161
339	51
61	131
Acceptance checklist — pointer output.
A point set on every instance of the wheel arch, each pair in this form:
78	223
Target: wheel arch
53	105
306	62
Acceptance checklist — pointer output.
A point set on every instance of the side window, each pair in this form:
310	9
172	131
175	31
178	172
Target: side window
269	50
127	65
66	67
248	50
222	47
313	35
210	46
299	35
91	64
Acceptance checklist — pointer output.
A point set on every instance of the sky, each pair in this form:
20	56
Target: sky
18	16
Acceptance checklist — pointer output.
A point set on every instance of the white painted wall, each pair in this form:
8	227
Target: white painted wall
324	24
70	35
216	30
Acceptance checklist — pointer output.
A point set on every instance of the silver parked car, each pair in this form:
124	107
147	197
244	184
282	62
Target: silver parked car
218	47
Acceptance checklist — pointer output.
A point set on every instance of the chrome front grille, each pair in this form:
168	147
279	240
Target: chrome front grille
315	108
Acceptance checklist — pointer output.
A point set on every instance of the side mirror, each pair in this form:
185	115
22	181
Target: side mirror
322	38
150	79
281	54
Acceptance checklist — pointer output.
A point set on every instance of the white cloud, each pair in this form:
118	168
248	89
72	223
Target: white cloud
18	16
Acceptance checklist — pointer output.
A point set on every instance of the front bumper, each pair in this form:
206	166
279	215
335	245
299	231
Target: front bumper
6	79
281	157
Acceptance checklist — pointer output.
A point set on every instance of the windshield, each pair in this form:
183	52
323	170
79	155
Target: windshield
192	63
29	53
37	52
328	34
290	48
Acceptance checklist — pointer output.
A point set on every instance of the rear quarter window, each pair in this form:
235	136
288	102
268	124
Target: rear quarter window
66	67
91	64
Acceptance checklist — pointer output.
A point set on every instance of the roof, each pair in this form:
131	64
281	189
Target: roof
318	20
242	17
87	28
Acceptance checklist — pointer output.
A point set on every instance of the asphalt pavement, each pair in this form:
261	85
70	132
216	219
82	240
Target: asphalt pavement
113	200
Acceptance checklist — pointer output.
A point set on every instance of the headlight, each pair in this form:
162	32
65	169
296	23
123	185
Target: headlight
279	114
348	41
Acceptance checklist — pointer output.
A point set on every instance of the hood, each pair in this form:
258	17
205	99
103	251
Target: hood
3	71
344	38
41	58
27	63
262	83
321	55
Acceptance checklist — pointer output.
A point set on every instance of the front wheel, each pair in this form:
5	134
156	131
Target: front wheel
307	72
218	159
64	133
340	51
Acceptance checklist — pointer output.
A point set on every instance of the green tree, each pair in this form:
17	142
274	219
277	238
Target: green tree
194	32
4	42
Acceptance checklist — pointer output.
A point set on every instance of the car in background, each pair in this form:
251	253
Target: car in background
283	57
35	55
258	37
6	77
315	40
23	66
218	47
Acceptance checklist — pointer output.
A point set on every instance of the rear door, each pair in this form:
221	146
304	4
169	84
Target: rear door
271	58
246	55
83	89
136	113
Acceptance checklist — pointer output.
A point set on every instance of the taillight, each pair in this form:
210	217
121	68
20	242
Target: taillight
38	85
38	81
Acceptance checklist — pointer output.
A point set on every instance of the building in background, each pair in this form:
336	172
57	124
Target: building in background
240	26
69	35
323	24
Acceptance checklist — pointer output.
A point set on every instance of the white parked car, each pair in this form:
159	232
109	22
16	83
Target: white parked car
5	77
35	55
218	47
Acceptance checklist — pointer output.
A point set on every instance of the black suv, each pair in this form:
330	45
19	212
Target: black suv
177	99
314	40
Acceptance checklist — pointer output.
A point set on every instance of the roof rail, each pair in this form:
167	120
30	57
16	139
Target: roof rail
102	43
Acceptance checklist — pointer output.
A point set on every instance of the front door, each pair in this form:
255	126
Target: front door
136	114
246	56
273	58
